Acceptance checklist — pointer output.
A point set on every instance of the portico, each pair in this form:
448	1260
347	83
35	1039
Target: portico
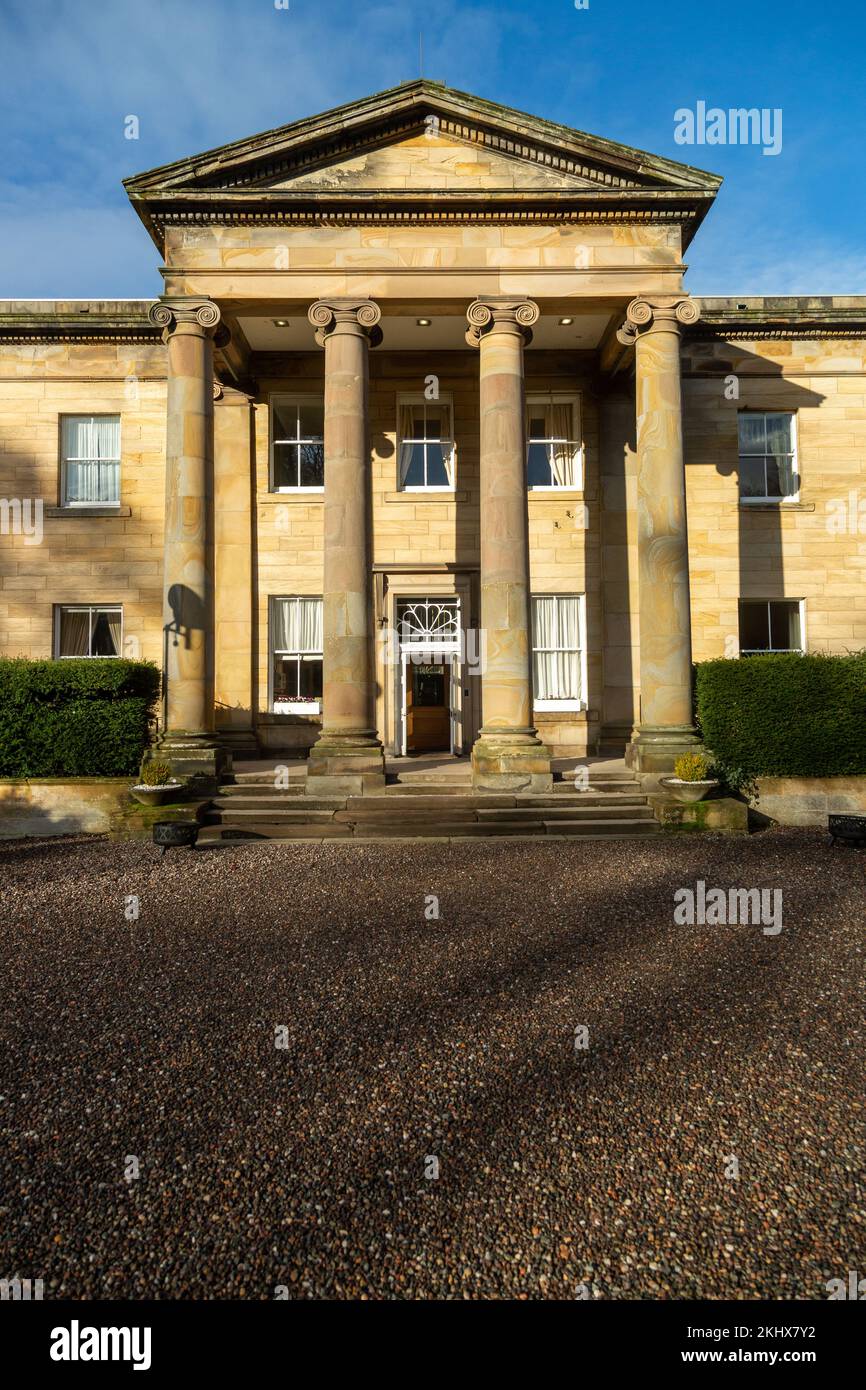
372	324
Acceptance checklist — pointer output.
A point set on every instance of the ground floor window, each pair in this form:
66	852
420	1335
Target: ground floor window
296	655
771	625
86	630
557	651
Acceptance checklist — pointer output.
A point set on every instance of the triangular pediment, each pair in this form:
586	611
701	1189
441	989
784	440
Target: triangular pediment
424	160
420	140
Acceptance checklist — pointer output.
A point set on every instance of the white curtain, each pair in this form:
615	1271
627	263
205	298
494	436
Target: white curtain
114	621
74	633
91	449
298	625
559	427
407	430
556	666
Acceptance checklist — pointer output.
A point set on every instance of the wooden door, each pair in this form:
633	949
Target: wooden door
428	713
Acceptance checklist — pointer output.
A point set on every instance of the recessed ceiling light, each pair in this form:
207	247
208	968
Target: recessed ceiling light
423	323
563	323
280	323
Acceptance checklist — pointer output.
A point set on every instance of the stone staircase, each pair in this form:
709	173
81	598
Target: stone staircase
250	807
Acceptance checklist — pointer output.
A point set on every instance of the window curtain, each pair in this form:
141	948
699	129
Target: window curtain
556	668
91	449
114	623
298	625
559	428
74	633
407	430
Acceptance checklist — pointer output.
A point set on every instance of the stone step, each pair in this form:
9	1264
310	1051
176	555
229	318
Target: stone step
261	789
265	830
604	829
272	801
578	799
259	831
267	815
297	773
569	813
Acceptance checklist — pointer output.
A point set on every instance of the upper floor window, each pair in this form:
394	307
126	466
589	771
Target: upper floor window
426	454
297	444
554	456
768	457
83	629
296	655
771	625
90	460
557	651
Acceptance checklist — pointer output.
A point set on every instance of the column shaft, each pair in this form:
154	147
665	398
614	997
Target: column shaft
666	727
508	753
187	740
348	755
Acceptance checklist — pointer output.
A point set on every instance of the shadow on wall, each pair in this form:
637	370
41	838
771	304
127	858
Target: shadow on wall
746	384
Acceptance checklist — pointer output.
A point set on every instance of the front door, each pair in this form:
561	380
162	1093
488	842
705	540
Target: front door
428	706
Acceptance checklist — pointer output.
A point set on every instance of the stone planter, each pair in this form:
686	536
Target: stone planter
688	791
157	796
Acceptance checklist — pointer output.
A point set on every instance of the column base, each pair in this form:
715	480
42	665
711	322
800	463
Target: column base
345	765
510	760
655	749
195	758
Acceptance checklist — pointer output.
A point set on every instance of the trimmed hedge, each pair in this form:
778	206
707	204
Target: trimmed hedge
785	715
76	718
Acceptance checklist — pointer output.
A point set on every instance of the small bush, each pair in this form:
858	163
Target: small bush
76	718
155	774
693	767
785	715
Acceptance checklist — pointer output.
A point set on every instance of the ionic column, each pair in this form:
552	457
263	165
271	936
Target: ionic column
665	729
347	757
187	740
507	755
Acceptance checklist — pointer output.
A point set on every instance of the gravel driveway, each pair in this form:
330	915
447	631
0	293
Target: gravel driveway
287	1042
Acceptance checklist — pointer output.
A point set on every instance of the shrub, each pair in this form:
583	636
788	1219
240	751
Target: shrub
785	715
155	774
692	767
75	718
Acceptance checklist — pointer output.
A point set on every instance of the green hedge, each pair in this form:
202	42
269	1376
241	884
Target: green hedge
785	715
75	718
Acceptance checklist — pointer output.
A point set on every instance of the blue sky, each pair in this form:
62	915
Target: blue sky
199	73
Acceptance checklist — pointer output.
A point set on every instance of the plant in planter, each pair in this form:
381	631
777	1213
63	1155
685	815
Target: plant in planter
157	786
692	779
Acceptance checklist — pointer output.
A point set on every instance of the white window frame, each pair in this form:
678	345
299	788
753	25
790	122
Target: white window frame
572	398
420	399
769	651
563	705
90	608
65	503
294	399
795	458
287	706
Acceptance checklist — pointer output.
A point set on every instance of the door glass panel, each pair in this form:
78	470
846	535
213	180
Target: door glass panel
428	686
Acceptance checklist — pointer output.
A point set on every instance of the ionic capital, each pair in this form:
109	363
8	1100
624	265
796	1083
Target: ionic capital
661	314
504	315
193	314
356	316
